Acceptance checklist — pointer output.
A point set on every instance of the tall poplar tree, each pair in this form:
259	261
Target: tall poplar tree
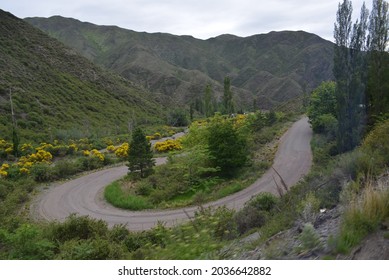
350	75
378	73
208	101
227	97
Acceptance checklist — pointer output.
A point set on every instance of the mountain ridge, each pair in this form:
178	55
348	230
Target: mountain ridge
57	92
273	67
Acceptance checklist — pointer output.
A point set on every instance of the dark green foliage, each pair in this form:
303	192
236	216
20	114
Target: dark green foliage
15	142
90	163
27	242
227	148
228	104
271	118
250	217
209	101
177	117
378	60
256	212
42	172
77	228
140	156
65	168
322	109
264	202
350	76
91	249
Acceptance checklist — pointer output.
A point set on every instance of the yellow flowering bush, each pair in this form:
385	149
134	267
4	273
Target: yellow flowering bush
5	146
26	162
3	170
239	120
111	148
24	170
168	145
97	154
26	147
122	150
44	146
86	153
157	135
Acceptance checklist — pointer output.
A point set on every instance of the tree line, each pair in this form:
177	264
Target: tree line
346	109
208	104
361	69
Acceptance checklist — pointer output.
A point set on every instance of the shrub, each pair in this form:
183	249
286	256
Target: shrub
310	240
95	249
90	163
168	145
122	150
249	218
376	144
65	168
76	227
264	201
42	172
28	243
309	208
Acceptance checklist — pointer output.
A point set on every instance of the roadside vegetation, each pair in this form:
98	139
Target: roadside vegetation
218	156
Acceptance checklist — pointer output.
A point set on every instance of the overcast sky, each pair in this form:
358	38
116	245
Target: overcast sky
201	19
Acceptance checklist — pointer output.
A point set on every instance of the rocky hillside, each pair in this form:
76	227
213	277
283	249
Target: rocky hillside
272	68
58	93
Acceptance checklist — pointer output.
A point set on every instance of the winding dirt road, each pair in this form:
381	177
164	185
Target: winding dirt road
84	195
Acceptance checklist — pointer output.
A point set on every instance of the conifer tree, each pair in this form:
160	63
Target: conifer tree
140	156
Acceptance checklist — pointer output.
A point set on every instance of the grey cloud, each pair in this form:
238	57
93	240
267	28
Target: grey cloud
202	19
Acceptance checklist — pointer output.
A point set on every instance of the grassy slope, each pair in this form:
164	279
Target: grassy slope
274	67
56	91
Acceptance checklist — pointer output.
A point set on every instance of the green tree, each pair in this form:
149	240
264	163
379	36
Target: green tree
177	117
227	97
227	148
378	72
322	107
350	75
208	101
140	156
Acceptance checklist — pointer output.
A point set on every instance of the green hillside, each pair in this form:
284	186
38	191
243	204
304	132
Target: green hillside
272	68
58	93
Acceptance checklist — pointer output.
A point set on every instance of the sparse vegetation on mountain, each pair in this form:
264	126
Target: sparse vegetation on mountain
57	94
271	68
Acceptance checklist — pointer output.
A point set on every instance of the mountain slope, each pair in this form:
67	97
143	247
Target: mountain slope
57	92
273	67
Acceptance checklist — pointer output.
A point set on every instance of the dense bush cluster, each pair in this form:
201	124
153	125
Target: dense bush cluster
168	145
